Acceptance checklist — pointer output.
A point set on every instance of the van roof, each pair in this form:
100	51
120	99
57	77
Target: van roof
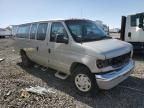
55	20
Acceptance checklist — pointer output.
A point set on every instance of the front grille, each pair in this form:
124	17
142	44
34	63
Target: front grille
120	60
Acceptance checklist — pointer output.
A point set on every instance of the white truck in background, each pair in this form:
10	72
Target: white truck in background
132	30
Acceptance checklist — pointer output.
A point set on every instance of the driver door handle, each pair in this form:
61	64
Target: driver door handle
49	50
129	34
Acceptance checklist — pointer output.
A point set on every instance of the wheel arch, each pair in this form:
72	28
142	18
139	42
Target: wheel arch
76	64
22	51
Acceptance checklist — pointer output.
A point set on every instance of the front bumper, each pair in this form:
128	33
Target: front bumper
109	80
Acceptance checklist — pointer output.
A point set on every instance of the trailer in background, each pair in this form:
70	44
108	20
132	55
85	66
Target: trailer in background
132	30
5	32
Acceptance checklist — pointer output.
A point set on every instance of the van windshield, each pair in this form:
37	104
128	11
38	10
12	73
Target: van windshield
85	30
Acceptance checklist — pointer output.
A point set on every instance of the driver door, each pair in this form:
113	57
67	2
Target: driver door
58	52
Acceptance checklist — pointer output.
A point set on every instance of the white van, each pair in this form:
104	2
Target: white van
76	48
132	30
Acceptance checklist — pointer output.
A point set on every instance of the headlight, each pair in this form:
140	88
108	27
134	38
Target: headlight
102	63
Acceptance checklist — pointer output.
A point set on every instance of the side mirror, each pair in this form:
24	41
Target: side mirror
61	39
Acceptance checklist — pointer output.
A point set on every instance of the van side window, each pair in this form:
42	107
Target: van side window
23	31
57	29
14	30
33	31
41	32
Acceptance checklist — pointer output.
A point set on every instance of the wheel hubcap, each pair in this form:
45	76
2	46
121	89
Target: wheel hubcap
82	82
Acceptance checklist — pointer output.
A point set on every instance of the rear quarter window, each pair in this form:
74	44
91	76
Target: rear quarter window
23	31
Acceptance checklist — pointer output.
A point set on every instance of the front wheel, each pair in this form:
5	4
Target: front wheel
84	81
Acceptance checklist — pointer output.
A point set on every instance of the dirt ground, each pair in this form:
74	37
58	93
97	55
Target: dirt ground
14	77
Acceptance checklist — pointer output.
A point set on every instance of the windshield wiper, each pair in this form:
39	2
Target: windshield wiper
106	37
84	39
89	39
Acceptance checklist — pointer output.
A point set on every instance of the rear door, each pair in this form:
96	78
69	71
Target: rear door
41	56
33	51
22	37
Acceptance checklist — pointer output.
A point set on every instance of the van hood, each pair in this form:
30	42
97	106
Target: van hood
109	47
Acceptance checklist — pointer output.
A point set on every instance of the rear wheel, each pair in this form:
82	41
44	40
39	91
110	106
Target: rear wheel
84	81
25	60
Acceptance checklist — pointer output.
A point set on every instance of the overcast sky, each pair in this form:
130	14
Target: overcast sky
109	11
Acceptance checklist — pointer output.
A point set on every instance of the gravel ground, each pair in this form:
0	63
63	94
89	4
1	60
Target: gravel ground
14	77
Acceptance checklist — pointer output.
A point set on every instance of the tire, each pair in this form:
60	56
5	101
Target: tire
26	62
90	87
